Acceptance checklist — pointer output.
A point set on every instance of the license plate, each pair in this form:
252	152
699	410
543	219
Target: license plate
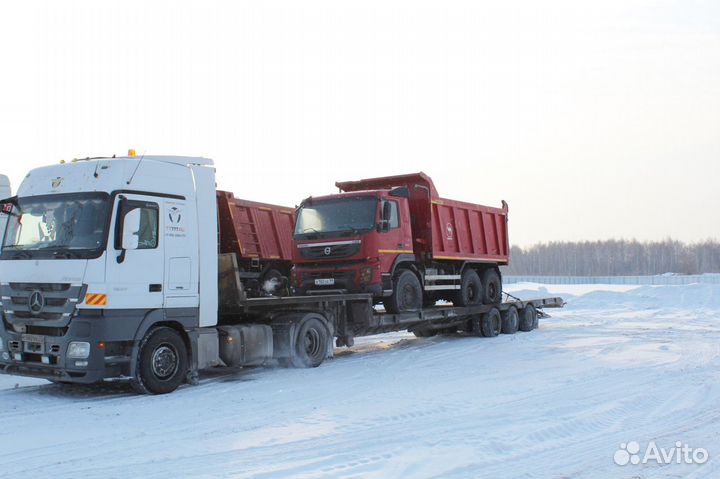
33	338
324	281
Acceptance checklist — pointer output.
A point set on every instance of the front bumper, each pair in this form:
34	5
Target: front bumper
42	353
337	280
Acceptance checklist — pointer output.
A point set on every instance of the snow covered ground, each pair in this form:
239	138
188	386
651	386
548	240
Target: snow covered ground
618	364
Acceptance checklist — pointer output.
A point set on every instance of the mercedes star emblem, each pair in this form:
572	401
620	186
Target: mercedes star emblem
36	302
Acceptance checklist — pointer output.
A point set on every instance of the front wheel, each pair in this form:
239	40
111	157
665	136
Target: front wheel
407	294
162	362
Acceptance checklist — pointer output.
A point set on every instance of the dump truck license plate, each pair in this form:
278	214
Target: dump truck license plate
324	281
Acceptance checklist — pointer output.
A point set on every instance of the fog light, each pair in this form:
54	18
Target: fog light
78	350
45	359
17	356
2	345
294	278
366	275
81	364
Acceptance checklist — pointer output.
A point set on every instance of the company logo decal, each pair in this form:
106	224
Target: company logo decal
327	251
56	182
449	230
36	302
175	215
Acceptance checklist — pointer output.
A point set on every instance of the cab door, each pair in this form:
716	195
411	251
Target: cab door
134	278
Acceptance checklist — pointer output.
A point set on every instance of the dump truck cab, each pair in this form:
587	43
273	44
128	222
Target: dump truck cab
348	242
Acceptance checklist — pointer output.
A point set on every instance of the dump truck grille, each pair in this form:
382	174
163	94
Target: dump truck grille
326	251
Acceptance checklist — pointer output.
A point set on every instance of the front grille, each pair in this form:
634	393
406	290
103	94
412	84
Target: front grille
330	251
40	301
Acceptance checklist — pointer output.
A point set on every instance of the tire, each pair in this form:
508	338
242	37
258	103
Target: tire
407	293
490	323
510	320
471	289
528	318
492	287
310	345
162	362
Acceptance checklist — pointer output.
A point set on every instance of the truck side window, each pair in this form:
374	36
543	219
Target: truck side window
149	224
394	217
148	236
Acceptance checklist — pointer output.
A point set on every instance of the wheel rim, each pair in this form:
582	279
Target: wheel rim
165	361
472	293
312	343
409	297
492	290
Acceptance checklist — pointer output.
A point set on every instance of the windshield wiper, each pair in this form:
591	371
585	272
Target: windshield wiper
20	253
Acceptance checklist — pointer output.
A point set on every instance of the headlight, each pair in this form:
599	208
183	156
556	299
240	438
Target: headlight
78	350
366	275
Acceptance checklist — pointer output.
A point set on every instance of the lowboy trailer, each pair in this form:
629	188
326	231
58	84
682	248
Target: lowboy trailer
127	269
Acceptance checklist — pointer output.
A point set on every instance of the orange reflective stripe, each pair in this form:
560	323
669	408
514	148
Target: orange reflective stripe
96	299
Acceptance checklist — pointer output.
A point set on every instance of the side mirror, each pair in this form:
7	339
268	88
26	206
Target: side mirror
131	230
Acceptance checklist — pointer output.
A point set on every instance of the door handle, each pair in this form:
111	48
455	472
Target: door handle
155	288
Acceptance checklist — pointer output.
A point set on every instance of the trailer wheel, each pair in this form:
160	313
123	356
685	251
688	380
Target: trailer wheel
510	320
407	293
311	344
162	362
491	323
471	289
528	318
492	287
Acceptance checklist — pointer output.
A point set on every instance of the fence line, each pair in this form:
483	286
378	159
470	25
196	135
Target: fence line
648	280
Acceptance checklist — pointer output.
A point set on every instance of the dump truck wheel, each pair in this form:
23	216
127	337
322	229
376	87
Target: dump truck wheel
407	293
471	289
311	344
528	317
162	362
490	323
510	320
491	287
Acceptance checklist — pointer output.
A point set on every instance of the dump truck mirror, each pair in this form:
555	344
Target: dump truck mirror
131	229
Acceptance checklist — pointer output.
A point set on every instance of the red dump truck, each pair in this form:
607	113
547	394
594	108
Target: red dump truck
256	238
396	238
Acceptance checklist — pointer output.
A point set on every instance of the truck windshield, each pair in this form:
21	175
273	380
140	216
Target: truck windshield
50	225
346	215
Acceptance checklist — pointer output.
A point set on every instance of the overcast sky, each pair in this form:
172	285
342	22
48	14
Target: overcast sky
593	120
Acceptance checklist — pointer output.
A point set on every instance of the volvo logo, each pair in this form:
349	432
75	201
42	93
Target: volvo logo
36	302
327	251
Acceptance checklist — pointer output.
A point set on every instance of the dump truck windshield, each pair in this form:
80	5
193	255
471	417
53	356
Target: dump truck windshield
342	215
67	225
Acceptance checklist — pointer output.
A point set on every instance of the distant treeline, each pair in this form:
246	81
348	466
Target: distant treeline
615	257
